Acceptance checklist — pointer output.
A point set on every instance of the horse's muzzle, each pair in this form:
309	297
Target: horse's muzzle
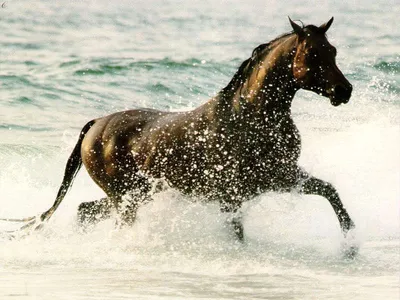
341	94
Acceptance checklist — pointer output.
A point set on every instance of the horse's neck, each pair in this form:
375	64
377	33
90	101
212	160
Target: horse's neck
277	91
266	93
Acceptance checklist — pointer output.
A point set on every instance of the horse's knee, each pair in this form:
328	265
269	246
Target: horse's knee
317	186
328	190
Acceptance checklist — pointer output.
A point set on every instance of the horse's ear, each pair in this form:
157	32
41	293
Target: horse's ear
324	27
296	28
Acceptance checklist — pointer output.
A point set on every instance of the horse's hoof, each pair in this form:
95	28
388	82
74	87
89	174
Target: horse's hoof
350	252
349	246
347	225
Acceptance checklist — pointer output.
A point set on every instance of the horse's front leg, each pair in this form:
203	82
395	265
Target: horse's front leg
233	207
314	186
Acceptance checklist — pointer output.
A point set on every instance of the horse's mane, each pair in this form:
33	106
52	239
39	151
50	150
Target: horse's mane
245	68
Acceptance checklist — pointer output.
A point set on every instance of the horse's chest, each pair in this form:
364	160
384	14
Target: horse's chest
268	155
273	142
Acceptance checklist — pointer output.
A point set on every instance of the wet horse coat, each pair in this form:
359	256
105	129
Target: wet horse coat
240	143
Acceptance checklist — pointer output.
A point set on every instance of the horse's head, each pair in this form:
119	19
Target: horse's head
314	66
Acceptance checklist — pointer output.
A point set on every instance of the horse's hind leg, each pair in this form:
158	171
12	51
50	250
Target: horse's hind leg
125	202
90	213
130	194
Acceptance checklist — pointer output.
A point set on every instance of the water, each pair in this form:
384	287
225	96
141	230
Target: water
63	64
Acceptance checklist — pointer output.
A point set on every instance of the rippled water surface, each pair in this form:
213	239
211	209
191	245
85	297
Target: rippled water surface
65	63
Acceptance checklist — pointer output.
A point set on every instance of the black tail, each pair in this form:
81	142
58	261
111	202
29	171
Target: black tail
74	163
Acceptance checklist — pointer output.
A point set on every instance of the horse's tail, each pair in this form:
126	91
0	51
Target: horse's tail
74	163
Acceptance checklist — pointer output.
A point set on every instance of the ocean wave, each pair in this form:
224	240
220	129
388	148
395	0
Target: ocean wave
24	100
184	64
69	63
6	150
388	66
168	63
24	127
107	66
160	88
10	80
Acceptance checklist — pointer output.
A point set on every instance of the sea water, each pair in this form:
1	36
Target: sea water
65	63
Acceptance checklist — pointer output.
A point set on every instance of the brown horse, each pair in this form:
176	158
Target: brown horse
240	143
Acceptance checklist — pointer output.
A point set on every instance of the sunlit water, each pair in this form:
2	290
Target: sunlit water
63	64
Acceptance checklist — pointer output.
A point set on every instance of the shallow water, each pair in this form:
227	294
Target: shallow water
64	64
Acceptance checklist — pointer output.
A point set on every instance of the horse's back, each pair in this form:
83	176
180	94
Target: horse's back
117	125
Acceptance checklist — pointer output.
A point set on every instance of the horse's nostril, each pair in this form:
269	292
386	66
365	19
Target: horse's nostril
343	93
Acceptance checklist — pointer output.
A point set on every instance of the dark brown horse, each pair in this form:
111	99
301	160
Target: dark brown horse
241	143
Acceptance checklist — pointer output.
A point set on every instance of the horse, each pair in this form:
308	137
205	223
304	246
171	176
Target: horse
241	143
